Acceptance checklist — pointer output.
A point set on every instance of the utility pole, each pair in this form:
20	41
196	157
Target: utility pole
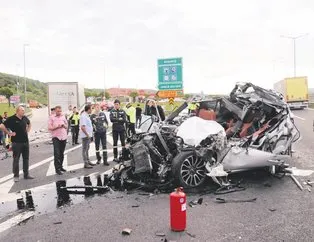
294	38
25	97
104	98
17	80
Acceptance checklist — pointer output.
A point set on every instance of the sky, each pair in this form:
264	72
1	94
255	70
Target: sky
112	43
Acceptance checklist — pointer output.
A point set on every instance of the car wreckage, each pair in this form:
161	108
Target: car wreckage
251	128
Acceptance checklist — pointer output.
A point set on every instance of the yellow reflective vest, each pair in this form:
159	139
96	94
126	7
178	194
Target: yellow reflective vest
131	112
75	118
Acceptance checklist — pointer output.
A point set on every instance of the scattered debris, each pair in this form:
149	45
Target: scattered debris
29	200
20	203
272	209
135	206
229	189
299	172
160	234
57	223
223	200
191	235
309	189
296	182
126	231
267	184
193	203
308	182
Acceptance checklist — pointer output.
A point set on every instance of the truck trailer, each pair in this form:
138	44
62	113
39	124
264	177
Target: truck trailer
295	91
65	94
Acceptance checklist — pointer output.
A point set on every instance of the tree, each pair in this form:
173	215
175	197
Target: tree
7	92
87	94
187	96
107	95
133	95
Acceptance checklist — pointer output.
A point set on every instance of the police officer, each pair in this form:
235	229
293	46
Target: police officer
100	125
118	119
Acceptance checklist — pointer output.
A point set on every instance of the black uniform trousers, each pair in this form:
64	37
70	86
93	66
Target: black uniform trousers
116	135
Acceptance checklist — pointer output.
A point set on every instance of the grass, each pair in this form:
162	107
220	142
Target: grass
4	107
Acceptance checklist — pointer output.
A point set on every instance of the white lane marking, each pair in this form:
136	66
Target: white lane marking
15	220
299	117
51	170
5	178
5	189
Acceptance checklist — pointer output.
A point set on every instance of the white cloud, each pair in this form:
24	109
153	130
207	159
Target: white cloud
220	41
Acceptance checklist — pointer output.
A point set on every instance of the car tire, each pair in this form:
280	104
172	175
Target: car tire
188	170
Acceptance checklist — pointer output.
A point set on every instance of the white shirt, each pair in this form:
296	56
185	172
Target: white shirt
86	121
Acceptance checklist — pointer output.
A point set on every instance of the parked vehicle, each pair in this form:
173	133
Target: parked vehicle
34	104
253	129
295	91
65	94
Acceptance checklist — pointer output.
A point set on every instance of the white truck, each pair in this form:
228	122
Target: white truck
64	94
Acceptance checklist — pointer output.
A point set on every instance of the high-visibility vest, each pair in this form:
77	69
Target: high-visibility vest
192	106
131	112
75	120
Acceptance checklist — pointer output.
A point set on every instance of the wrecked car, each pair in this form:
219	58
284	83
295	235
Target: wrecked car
252	128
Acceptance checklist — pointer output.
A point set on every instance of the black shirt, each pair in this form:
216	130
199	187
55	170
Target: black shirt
138	112
118	119
19	127
153	111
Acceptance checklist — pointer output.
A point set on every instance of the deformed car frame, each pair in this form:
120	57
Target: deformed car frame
254	128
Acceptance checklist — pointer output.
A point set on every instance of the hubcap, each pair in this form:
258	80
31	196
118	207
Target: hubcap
193	171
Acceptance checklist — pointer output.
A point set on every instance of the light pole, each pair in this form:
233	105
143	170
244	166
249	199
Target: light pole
17	80
25	98
294	38
104	97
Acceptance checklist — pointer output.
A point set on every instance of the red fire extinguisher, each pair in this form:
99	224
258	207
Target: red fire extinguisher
178	210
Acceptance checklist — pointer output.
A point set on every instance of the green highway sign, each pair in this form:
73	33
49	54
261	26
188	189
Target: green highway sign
170	74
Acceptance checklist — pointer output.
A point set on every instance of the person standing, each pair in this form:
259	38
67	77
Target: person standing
157	111
68	115
138	115
58	126
20	127
86	133
100	124
192	108
75	126
5	116
1	132
118	119
131	114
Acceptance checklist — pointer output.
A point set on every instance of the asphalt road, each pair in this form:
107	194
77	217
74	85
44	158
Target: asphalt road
281	212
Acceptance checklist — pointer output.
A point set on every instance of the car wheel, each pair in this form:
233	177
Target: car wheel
189	171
